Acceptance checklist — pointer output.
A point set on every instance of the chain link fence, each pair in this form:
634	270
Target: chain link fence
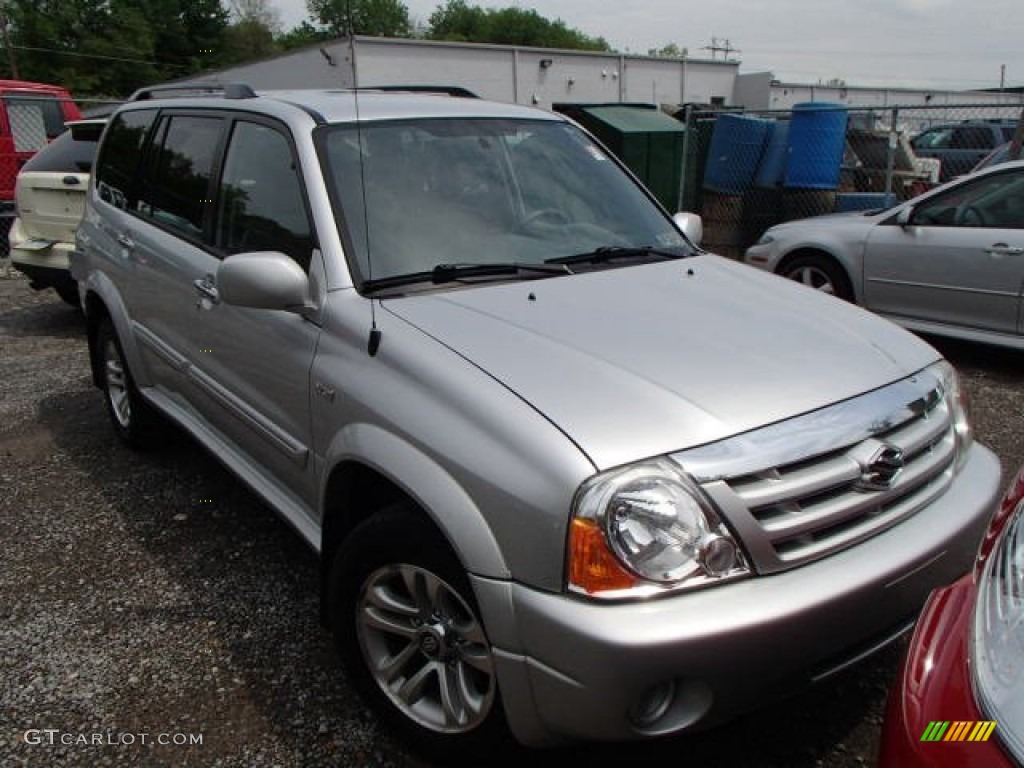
745	171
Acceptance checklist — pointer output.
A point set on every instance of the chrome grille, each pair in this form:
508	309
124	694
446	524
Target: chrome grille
793	495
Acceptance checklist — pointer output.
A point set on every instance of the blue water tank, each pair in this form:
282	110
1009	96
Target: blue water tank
772	168
817	138
735	153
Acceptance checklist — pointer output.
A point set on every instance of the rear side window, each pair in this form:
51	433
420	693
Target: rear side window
119	156
176	189
63	155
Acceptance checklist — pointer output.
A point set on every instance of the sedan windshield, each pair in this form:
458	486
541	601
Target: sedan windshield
421	193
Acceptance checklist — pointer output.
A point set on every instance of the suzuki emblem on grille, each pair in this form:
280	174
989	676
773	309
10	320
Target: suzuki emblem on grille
880	470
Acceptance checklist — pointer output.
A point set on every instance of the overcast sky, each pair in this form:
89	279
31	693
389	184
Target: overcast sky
947	44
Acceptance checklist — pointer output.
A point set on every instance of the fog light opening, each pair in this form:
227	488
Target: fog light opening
652	704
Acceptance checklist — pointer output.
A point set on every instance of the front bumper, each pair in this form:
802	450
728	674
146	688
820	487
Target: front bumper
934	685
570	668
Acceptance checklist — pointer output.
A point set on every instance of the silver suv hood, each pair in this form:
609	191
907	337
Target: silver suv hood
645	360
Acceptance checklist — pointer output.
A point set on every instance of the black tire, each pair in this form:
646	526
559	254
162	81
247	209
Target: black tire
134	420
407	627
819	272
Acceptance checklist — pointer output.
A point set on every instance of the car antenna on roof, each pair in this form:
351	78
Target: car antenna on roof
373	342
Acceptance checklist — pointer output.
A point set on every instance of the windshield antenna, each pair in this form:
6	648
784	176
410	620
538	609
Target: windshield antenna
373	342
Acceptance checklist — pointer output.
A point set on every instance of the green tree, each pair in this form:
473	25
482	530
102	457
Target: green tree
111	47
304	34
670	51
378	18
457	20
251	35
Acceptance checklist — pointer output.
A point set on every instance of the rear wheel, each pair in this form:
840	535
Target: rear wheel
820	273
134	420
410	634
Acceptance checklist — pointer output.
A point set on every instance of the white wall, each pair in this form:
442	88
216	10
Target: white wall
501	73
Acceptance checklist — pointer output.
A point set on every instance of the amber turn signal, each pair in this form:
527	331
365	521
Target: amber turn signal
592	566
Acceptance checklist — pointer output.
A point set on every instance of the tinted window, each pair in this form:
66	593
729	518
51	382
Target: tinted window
973	137
176	188
1008	131
261	203
64	155
119	156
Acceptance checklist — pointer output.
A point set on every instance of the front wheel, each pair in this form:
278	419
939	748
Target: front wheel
409	632
819	273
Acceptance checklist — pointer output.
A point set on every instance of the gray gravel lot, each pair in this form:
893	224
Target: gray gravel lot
151	597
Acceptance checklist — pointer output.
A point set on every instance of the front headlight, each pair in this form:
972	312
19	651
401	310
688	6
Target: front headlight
766	239
956	395
644	529
998	644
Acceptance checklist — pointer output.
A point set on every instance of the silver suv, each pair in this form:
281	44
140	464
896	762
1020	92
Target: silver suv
569	476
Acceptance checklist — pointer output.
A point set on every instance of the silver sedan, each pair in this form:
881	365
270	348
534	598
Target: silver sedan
950	262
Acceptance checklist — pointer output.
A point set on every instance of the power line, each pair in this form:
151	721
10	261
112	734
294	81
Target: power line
98	56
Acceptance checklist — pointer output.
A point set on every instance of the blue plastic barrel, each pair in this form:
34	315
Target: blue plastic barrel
735	153
772	168
817	138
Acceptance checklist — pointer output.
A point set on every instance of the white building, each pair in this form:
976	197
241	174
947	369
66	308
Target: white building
761	91
517	74
544	77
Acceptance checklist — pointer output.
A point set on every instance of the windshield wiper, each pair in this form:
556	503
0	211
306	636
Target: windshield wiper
450	273
611	252
447	273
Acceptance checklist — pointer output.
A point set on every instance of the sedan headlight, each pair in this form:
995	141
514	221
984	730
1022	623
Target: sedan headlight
645	529
956	395
766	239
998	643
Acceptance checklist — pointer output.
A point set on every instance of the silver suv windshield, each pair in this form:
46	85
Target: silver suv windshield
420	194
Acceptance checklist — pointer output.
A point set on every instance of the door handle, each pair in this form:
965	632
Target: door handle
1002	249
125	241
207	289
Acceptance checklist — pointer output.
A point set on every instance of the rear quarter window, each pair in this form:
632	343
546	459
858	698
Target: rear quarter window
63	155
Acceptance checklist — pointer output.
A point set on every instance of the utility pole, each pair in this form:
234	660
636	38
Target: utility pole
7	42
1002	77
721	45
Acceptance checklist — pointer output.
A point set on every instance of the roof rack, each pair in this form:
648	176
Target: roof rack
227	90
448	90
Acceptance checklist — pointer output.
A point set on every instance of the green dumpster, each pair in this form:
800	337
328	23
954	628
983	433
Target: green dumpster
643	137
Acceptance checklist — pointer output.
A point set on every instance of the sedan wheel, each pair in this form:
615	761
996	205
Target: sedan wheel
820	273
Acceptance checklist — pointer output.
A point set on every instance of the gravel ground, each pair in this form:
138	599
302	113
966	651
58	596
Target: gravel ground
148	598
